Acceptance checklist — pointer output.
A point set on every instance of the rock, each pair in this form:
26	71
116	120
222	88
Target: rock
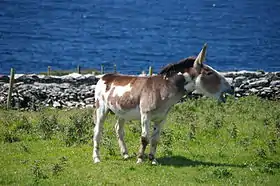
70	104
230	80
238	90
254	90
89	100
239	80
72	76
27	78
89	106
267	89
245	86
56	104
4	79
274	83
2	99
248	74
262	82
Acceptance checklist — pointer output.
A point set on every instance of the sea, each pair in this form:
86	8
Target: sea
136	34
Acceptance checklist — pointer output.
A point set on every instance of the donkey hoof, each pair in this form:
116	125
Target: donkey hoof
139	161
96	160
125	156
154	162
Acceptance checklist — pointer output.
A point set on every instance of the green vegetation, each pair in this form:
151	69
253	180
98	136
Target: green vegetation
66	72
203	142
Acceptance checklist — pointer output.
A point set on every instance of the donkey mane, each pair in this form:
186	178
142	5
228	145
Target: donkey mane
173	68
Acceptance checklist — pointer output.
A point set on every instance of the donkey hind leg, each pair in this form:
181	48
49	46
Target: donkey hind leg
119	128
101	114
154	141
144	140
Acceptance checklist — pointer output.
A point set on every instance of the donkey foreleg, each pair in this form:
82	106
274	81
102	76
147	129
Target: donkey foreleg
144	140
154	140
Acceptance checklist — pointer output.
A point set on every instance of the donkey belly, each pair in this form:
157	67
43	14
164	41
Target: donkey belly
127	114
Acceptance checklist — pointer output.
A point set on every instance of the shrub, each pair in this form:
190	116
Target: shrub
167	140
13	127
47	125
79	130
222	173
37	172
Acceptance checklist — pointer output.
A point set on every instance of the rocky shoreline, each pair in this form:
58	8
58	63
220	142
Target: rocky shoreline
33	91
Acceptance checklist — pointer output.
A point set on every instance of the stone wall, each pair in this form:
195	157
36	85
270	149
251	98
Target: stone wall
263	84
75	90
33	91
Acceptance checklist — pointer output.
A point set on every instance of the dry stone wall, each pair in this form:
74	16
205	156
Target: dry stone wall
75	90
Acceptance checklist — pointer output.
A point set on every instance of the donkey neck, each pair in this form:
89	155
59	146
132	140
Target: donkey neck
184	83
178	81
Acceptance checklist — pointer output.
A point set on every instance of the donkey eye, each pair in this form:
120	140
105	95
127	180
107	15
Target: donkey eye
209	73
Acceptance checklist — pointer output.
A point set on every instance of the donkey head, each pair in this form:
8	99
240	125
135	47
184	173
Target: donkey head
199	76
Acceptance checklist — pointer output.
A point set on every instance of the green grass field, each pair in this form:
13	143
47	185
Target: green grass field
203	143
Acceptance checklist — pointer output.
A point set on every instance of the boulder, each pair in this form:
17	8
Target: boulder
259	83
4	79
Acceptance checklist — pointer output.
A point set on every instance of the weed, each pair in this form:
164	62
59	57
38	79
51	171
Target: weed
272	146
22	124
192	131
245	142
218	124
24	148
59	167
222	173
261	71
167	140
37	172
136	129
47	125
261	153
233	131
108	145
277	128
10	136
79	130
269	168
13	127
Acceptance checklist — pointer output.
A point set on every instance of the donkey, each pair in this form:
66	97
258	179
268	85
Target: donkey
149	99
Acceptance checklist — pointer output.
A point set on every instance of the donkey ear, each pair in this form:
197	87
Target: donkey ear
200	58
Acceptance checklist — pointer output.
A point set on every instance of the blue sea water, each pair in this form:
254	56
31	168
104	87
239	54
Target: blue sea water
241	34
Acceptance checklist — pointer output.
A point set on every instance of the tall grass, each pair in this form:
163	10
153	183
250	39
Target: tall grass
203	142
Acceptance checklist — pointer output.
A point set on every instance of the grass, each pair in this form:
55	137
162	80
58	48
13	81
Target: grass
66	72
203	143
